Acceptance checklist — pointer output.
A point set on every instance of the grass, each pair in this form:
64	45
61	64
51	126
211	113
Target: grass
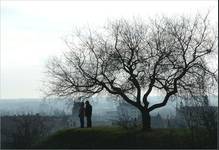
112	137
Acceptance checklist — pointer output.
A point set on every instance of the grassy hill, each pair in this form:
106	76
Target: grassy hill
105	137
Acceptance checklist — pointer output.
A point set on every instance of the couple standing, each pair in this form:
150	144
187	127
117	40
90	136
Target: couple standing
87	111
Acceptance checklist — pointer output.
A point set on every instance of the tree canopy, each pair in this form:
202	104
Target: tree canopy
131	58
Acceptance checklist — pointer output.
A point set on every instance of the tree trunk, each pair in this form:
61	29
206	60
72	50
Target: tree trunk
146	120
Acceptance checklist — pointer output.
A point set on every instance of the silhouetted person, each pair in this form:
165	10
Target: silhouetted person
81	114
88	114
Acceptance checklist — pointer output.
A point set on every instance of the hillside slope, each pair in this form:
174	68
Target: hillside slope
102	137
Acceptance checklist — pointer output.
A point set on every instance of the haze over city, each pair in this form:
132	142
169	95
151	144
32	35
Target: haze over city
109	74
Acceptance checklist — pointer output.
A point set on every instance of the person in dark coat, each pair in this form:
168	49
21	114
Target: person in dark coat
88	114
81	114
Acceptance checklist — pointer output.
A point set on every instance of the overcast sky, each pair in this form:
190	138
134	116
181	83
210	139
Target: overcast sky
32	31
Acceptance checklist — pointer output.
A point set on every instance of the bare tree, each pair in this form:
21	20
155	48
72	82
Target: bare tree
29	128
132	59
198	113
127	118
124	119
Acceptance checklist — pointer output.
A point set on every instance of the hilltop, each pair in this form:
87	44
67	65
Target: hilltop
106	137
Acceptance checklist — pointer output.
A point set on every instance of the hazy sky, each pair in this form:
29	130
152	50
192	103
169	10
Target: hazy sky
32	31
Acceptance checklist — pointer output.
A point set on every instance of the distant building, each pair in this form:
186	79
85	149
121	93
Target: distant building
75	108
157	121
133	115
127	109
191	115
74	120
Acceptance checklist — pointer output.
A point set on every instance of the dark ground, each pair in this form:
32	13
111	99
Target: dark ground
106	137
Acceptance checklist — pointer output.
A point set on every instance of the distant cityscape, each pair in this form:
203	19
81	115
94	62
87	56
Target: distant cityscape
22	120
64	107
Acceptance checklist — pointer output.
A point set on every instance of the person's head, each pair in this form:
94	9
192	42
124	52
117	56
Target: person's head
87	103
82	104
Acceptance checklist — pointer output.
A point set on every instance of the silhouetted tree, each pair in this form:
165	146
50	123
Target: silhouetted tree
126	117
28	129
132	59
198	113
